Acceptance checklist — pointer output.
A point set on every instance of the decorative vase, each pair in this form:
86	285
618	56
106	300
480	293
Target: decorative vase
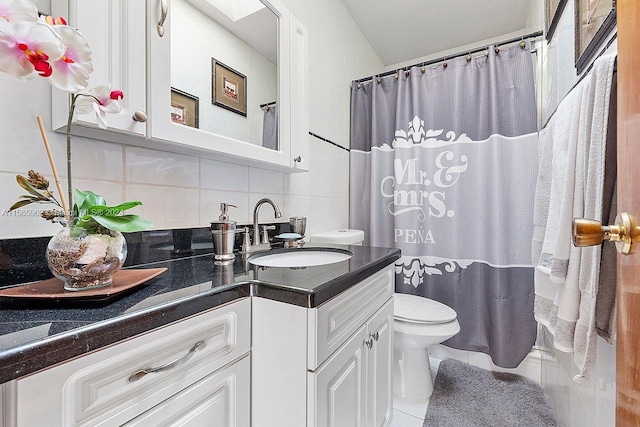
84	260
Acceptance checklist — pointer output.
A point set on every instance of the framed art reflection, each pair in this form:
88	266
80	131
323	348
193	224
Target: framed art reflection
594	21
229	88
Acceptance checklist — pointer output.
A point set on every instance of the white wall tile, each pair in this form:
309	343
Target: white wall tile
223	176
296	183
266	181
327	213
166	207
329	170
161	168
606	378
296	206
96	159
210	206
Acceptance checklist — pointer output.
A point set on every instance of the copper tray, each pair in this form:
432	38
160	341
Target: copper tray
54	289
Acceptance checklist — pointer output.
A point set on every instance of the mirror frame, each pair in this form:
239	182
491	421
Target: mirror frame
186	139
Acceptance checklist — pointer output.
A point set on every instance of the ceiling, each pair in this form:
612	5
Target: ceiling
401	30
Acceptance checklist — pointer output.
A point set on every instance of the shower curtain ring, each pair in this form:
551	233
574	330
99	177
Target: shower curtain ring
378	80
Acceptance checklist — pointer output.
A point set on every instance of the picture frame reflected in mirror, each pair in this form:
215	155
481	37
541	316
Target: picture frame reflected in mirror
594	22
184	108
228	88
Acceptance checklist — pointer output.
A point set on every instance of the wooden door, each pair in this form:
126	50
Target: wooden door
628	294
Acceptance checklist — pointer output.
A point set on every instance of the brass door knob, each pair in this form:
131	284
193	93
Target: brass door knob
625	232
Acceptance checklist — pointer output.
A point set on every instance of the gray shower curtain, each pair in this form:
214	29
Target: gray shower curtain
443	166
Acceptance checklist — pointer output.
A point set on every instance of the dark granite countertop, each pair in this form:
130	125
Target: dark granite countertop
37	335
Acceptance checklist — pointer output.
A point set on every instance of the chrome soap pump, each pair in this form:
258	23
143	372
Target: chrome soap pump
223	233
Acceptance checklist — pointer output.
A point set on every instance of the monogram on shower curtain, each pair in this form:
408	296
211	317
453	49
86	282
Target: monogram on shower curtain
443	166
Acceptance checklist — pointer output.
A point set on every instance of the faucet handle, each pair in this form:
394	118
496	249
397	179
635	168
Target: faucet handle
265	234
247	239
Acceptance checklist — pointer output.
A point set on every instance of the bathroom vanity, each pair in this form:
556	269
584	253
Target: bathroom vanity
234	345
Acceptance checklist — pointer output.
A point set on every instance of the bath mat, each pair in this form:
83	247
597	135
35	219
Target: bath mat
468	396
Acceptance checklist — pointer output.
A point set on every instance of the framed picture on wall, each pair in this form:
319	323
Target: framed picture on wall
594	21
228	88
184	108
553	12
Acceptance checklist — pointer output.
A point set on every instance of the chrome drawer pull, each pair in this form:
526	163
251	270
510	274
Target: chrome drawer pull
163	16
181	361
375	336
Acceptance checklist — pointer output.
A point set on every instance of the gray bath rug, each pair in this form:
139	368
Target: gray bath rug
467	396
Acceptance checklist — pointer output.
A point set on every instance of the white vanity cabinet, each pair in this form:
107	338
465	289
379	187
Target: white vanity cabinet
195	370
336	359
116	33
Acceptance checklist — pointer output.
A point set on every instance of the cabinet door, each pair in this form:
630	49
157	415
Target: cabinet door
224	136
115	30
338	392
379	367
221	400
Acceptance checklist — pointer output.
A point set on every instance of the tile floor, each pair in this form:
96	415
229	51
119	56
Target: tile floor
410	413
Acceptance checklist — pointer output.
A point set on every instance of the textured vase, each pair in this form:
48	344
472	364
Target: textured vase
86	260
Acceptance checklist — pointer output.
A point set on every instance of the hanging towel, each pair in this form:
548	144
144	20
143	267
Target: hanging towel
556	203
570	184
585	337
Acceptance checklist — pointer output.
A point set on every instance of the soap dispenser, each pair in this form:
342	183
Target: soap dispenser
223	233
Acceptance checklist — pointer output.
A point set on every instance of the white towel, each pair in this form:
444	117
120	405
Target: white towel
585	336
557	301
570	184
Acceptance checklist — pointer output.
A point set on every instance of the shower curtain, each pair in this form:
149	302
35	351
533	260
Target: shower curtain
443	166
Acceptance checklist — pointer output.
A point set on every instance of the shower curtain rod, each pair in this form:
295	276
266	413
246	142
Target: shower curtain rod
444	58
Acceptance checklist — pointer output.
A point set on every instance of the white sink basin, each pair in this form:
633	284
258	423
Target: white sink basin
301	258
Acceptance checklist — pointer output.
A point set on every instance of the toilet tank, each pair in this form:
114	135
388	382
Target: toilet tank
339	237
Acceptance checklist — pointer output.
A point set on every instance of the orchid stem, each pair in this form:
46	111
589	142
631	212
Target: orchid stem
47	147
69	120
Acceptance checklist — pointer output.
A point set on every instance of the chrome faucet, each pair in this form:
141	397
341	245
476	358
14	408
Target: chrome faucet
258	243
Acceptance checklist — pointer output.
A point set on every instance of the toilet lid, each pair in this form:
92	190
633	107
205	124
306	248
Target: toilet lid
415	309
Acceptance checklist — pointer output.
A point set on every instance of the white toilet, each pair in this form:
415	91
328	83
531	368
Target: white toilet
339	237
418	323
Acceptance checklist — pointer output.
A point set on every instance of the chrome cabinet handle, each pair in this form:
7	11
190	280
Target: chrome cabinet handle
139	116
163	17
368	343
181	361
375	336
297	159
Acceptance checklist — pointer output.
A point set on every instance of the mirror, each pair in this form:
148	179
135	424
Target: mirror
224	69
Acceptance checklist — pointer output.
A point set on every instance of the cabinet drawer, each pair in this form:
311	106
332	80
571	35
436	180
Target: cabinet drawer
335	321
220	399
96	389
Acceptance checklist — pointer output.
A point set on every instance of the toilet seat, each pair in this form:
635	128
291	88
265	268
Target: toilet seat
419	310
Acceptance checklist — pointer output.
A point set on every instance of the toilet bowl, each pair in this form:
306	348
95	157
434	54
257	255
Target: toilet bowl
418	323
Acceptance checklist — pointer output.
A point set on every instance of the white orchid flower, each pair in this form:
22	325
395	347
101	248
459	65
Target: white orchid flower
27	48
71	71
17	11
100	99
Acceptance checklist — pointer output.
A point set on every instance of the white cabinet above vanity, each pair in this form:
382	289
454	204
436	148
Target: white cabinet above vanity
198	80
